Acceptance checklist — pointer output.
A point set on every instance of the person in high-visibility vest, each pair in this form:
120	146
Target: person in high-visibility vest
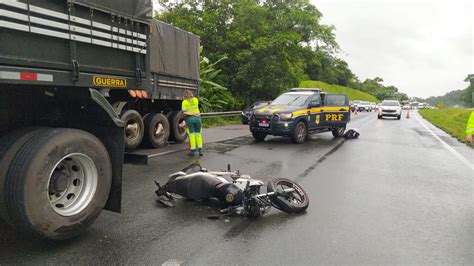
190	108
470	128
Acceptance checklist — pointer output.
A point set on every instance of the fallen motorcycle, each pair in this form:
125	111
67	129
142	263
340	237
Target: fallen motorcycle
239	193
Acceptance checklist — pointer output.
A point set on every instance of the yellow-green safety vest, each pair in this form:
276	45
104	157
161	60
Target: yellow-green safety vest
191	106
470	125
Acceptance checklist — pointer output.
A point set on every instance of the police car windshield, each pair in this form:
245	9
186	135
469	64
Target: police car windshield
291	99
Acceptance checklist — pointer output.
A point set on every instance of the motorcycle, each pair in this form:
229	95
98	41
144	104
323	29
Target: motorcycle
281	193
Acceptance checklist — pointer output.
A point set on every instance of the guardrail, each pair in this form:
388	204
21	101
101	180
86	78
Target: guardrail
221	114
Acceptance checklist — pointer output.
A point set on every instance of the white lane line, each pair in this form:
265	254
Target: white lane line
172	262
446	145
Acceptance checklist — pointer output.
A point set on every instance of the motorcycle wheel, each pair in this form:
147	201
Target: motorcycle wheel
295	202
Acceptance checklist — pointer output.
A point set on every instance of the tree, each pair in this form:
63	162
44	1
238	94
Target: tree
468	93
214	97
267	42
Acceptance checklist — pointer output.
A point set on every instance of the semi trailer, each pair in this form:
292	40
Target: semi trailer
81	81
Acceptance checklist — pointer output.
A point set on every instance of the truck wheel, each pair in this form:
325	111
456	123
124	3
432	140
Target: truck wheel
58	183
157	130
259	136
134	129
338	132
177	126
9	146
300	133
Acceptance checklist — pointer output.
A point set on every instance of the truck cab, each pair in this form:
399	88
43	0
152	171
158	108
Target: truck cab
300	112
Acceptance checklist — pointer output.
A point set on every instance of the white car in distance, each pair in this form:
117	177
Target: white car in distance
390	108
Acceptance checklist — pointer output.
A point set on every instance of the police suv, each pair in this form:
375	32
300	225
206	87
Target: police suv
300	112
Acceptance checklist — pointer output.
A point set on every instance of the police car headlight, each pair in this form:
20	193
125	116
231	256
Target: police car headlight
285	116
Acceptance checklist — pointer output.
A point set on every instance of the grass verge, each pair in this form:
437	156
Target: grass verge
452	120
220	121
352	93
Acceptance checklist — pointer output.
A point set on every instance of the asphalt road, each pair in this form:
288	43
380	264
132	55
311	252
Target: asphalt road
401	194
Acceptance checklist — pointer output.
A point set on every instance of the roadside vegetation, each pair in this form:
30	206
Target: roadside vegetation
257	49
452	120
352	93
220	121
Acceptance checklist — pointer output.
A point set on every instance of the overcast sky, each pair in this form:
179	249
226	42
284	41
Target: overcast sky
423	47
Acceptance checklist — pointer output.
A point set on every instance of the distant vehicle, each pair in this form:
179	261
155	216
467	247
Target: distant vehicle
364	106
301	112
247	112
354	105
372	106
406	107
390	108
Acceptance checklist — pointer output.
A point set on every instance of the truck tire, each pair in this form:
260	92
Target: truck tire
338	132
157	130
58	183
177	126
9	147
300	133
134	129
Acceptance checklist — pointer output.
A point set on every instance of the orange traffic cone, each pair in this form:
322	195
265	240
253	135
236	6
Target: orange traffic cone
408	114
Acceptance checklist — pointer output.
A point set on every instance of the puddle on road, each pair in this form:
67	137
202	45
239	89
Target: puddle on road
229	145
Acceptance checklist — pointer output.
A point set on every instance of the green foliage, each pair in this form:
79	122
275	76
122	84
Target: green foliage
352	93
380	91
270	46
220	121
213	96
450	99
468	93
267	42
451	120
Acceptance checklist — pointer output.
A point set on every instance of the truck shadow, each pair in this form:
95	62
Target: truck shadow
14	244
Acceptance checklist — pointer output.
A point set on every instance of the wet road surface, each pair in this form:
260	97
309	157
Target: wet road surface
397	195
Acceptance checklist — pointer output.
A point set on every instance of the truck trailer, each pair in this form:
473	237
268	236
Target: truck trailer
81	81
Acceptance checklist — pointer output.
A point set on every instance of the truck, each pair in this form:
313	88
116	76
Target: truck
81	81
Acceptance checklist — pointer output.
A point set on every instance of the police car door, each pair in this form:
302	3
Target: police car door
335	110
315	109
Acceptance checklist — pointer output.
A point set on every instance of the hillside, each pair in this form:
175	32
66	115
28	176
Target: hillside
352	93
450	99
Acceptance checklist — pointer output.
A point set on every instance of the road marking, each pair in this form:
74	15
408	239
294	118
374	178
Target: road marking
172	262
446	145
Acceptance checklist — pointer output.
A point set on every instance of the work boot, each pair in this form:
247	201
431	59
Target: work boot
200	152
192	153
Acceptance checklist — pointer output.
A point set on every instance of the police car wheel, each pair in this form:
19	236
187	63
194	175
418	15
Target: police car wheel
299	133
338	132
259	136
